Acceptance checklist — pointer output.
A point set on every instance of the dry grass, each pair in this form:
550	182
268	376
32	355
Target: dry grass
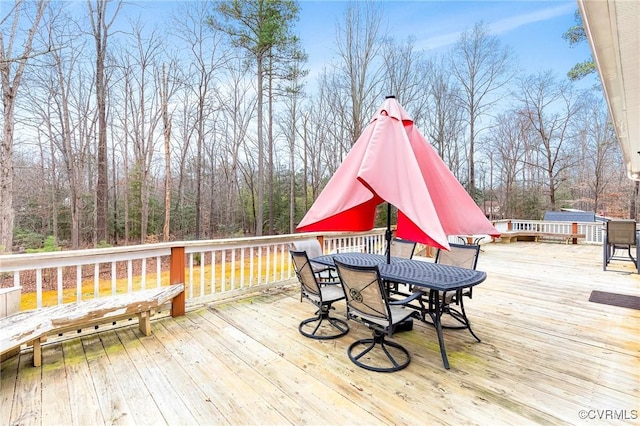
105	286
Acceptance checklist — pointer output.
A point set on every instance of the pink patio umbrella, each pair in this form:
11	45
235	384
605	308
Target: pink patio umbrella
391	161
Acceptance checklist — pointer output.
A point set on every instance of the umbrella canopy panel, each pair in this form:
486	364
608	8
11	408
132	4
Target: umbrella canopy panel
391	161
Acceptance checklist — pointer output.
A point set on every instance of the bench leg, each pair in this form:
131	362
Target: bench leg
37	353
144	322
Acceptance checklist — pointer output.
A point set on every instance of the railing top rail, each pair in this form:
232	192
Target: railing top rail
552	221
21	262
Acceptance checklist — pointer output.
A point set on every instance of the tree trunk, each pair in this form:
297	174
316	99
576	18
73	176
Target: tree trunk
6	172
101	202
271	203
166	120
260	182
200	125
10	87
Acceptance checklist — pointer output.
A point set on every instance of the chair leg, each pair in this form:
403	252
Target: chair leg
445	308
389	352
465	319
323	314
630	255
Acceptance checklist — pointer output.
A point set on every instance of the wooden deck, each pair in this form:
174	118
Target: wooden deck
548	356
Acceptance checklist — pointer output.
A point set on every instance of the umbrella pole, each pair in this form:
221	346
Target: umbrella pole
387	234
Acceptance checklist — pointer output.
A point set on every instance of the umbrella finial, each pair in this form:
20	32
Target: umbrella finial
390	97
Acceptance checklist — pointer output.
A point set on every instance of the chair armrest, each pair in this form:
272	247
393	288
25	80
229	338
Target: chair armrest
407	300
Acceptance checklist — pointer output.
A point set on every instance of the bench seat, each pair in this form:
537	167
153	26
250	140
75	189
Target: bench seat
31	327
512	236
567	238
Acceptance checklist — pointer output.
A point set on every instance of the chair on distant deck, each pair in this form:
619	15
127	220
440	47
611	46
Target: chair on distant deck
462	256
368	304
314	249
323	296
620	235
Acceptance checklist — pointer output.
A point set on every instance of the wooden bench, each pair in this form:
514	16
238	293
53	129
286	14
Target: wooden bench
567	238
512	236
31	327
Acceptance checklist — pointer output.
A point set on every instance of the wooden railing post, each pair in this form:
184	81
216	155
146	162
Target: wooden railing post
176	276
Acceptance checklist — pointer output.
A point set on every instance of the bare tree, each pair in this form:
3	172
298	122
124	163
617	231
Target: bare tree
205	59
358	72
257	26
100	25
166	131
12	65
61	104
294	90
184	131
550	106
597	141
482	67
508	142
404	74
285	62
444	117
124	117
333	120
238	105
146	113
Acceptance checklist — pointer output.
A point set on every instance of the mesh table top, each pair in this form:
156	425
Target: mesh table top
420	273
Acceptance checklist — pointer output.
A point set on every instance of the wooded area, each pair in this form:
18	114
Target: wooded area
210	126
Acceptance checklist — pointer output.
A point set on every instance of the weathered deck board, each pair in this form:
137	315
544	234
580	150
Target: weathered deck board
55	391
8	376
411	410
214	337
325	367
141	407
178	380
216	380
85	407
26	404
546	353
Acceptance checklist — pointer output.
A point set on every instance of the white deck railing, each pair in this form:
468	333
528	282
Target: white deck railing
209	269
593	231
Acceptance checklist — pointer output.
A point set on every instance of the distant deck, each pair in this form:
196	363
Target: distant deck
547	354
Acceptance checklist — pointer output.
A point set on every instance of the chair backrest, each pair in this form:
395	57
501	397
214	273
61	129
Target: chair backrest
402	248
461	255
365	293
311	246
304	272
621	232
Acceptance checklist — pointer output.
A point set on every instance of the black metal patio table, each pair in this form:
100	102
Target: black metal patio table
438	279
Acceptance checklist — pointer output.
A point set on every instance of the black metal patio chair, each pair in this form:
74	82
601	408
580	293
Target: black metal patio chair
402	248
452	303
405	249
322	295
621	234
368	304
314	249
